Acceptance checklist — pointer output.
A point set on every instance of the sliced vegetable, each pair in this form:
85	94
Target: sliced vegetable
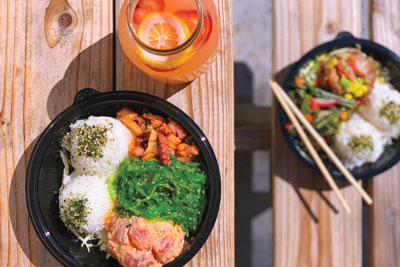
311	86
305	105
324	102
344	116
348	96
298	81
292	94
324	113
345	82
288	126
322	93
315	67
342	101
314	106
327	119
293	132
309	117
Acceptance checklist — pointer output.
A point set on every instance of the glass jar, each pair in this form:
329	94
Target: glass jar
194	38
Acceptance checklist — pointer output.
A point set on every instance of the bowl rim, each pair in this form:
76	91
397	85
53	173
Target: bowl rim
82	100
343	39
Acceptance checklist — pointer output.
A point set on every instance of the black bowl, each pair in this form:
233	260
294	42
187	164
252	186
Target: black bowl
390	60
45	169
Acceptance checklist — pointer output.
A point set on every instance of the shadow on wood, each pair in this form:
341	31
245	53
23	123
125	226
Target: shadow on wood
249	205
91	69
243	79
252	128
38	255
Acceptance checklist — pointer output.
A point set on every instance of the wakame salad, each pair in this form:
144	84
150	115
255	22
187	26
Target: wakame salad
173	192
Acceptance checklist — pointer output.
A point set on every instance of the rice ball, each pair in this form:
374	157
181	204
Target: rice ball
383	109
359	142
97	145
84	203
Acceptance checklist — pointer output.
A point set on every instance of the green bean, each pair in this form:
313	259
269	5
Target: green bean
305	105
327	119
310	85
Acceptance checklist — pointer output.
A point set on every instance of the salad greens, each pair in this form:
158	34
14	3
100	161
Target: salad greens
173	192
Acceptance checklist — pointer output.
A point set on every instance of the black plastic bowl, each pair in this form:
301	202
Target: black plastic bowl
390	60
45	169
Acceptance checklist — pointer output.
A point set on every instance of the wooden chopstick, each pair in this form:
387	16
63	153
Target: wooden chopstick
276	87
311	149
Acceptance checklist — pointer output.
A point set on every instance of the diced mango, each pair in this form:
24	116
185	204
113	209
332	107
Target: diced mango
353	88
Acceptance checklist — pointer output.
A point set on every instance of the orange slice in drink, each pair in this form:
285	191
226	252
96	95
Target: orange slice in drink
162	30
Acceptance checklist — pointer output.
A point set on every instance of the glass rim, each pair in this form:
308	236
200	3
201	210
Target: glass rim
179	48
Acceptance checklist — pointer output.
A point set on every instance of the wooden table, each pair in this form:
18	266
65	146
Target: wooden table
49	50
310	226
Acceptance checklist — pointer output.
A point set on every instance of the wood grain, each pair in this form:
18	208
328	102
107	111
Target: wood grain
384	215
209	101
39	77
310	226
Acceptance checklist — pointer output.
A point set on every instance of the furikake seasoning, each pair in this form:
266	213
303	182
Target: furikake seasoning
360	143
91	140
75	212
391	112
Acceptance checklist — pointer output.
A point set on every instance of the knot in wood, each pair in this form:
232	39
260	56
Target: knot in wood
65	20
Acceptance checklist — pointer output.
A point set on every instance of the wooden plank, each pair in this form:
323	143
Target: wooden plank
209	101
39	76
252	128
249	138
310	226
384	215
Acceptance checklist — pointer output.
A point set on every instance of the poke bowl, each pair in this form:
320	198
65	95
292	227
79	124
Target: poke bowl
348	90
95	206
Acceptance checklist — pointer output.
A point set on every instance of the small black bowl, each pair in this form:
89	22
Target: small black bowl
44	175
388	59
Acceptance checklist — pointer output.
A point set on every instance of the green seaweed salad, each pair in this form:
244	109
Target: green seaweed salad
173	192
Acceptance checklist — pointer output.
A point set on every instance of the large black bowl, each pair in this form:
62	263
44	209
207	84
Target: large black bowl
45	169
390	60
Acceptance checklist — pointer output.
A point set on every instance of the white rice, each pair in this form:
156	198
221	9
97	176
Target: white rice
356	127
94	189
381	95
115	149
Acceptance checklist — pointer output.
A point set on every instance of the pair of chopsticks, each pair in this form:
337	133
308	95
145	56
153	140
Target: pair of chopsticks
292	111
